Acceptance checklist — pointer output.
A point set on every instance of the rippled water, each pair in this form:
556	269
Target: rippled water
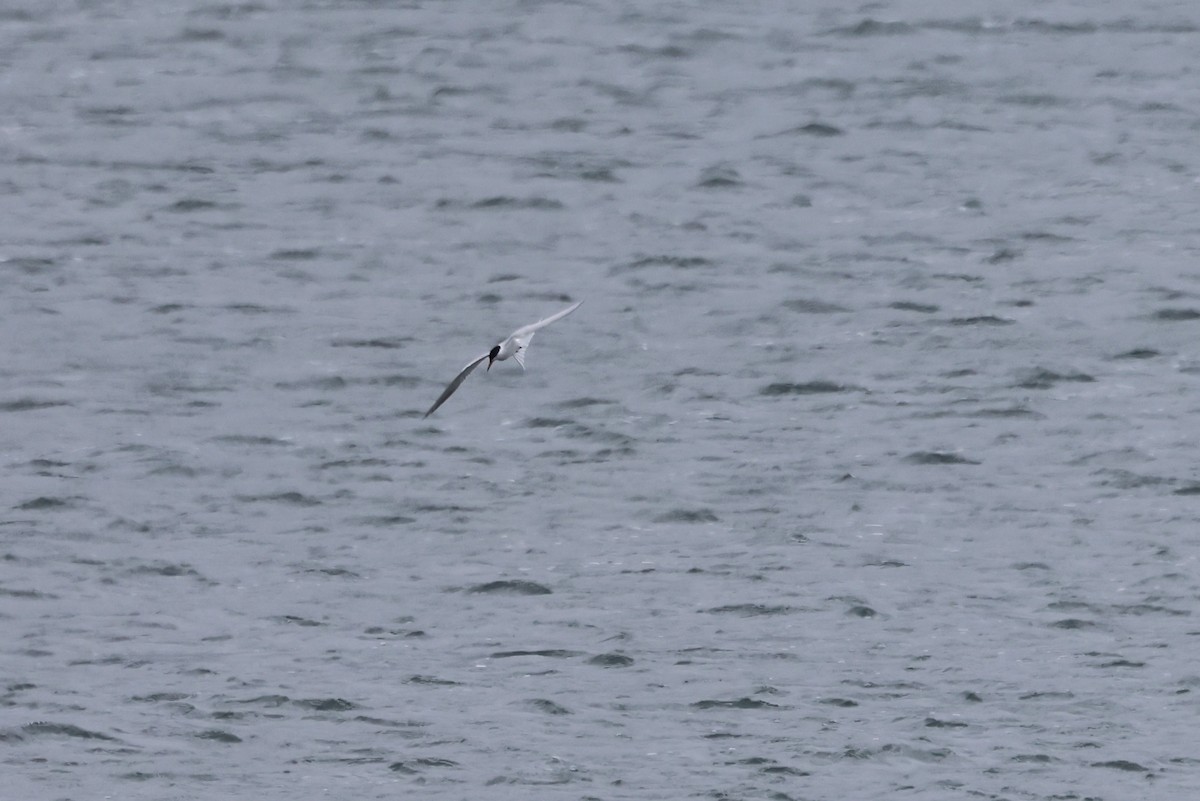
867	468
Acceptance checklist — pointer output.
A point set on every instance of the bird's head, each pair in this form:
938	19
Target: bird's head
492	354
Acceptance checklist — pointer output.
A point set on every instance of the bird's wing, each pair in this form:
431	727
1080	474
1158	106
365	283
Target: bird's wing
458	379
523	332
523	335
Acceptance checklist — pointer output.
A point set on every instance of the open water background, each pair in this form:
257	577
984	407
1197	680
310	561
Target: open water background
867	469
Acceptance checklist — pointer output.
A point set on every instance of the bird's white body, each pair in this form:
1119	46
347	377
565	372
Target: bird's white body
514	346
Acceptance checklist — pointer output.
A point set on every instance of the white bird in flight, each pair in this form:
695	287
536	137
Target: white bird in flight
514	346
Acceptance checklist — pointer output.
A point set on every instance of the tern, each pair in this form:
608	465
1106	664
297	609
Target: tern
515	346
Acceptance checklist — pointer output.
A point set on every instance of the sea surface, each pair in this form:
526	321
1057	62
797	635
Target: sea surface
867	469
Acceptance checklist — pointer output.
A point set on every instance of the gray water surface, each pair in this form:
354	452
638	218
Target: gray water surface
866	470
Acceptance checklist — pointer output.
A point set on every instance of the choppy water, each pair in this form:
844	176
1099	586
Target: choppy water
867	469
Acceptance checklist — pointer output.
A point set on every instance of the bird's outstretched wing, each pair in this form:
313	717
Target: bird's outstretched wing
522	336
458	379
523	332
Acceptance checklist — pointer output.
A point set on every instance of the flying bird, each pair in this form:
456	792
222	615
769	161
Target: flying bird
515	346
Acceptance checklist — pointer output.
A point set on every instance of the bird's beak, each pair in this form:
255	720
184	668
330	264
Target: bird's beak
489	367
